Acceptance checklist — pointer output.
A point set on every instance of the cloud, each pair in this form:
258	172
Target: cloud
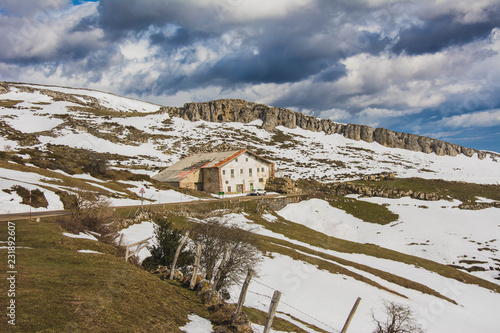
44	33
401	65
448	23
488	118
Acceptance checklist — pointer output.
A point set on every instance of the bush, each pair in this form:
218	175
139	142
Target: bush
90	212
399	319
162	254
216	238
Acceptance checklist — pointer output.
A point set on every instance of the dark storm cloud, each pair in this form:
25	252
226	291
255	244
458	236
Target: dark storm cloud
273	50
444	31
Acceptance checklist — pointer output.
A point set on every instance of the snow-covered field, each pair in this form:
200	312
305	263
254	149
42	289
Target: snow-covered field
311	154
325	299
438	231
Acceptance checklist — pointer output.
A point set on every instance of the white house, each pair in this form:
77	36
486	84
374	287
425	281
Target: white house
237	171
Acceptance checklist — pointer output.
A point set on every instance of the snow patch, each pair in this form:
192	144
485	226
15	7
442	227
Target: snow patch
81	235
197	324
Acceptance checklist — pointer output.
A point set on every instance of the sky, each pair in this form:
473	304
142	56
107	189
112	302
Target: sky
426	67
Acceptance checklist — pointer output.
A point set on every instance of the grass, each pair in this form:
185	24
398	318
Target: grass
103	112
465	192
366	211
59	289
304	234
9	103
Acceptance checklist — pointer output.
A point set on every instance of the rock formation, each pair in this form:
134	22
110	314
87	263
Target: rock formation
237	110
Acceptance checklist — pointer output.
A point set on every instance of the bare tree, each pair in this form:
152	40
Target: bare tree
399	319
217	237
90	211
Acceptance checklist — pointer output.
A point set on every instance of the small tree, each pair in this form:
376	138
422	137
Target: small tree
217	237
167	241
90	211
399	319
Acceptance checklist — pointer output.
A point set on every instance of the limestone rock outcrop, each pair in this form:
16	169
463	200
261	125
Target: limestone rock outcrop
237	110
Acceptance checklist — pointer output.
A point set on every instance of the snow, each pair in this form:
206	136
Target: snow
197	324
81	235
11	202
28	122
107	100
438	231
320	216
310	294
90	251
136	233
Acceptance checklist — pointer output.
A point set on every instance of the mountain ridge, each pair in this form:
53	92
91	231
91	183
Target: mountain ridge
238	110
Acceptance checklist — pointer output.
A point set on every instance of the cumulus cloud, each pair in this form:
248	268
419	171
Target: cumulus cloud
385	63
488	118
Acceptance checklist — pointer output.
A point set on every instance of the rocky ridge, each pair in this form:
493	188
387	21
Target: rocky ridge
237	110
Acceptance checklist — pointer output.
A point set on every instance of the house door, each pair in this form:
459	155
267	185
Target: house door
239	188
251	186
198	186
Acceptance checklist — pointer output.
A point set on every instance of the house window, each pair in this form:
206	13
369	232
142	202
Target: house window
232	173
229	189
241	171
224	172
236	159
246	159
261	180
262	169
227	181
250	172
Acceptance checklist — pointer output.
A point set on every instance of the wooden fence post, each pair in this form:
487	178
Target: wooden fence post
272	311
219	271
351	314
140	245
196	265
243	293
177	252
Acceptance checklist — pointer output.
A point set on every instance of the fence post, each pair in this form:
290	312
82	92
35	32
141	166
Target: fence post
196	266
272	311
351	314
177	252
243	293
127	253
219	271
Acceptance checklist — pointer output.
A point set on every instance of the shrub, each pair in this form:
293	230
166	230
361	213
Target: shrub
218	237
167	241
399	319
90	212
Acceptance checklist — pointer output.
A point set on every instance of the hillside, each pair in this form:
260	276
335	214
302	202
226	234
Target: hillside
425	238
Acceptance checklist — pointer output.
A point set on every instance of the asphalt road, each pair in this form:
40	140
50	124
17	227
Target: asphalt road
34	215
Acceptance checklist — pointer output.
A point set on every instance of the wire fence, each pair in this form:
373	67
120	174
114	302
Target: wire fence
259	281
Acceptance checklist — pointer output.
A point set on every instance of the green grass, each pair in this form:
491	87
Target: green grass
59	289
366	211
304	234
465	192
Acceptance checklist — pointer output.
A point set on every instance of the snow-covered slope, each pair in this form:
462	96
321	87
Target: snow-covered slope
137	139
159	140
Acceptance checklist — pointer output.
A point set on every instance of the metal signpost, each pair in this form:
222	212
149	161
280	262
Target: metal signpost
142	191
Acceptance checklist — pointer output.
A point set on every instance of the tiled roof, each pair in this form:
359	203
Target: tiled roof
193	162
